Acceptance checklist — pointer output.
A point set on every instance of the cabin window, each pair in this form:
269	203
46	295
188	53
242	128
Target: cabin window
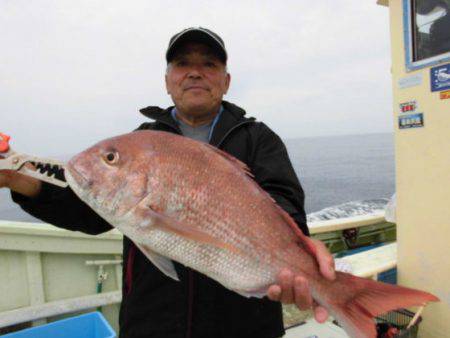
427	32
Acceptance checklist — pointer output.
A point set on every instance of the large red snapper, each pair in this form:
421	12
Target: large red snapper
179	199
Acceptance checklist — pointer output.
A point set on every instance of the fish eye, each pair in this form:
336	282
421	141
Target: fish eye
111	157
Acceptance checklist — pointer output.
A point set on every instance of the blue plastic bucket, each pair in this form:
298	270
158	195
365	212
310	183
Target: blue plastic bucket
89	325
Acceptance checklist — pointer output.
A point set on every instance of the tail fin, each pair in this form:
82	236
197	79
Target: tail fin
359	300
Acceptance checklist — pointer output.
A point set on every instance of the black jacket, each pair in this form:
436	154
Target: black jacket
156	306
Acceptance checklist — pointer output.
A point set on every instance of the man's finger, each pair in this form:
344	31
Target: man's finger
274	293
286	282
320	313
303	298
325	260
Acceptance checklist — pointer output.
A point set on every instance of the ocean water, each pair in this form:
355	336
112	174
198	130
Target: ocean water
342	176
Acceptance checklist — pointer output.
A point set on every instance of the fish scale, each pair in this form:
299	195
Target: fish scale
217	263
184	200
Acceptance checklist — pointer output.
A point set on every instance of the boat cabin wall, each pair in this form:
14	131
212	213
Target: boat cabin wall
421	108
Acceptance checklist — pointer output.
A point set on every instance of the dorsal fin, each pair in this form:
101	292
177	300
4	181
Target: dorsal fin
239	164
288	219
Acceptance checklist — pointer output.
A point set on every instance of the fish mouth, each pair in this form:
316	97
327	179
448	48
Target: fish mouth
74	176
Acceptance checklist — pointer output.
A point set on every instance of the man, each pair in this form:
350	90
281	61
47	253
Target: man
153	305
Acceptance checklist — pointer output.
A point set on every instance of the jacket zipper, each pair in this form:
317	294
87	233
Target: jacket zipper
191	273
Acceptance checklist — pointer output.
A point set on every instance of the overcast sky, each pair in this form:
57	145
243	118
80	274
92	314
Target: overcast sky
75	72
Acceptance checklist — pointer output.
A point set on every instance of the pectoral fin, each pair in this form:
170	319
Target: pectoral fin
162	263
171	224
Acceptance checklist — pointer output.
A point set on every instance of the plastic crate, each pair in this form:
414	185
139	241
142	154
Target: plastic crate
357	250
89	325
400	320
341	240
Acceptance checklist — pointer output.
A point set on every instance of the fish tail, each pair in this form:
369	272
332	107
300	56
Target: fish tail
359	300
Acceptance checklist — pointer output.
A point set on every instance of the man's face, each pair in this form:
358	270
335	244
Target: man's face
196	79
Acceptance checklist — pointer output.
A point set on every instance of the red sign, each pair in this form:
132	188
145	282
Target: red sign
408	107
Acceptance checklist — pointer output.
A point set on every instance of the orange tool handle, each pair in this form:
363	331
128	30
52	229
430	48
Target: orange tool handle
4	143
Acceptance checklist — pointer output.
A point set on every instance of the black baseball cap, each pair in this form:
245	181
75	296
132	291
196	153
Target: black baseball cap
197	34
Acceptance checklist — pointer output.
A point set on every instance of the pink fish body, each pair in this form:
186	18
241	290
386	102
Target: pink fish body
183	200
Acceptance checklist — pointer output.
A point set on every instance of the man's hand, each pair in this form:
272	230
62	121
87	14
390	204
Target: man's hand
22	184
295	289
5	178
